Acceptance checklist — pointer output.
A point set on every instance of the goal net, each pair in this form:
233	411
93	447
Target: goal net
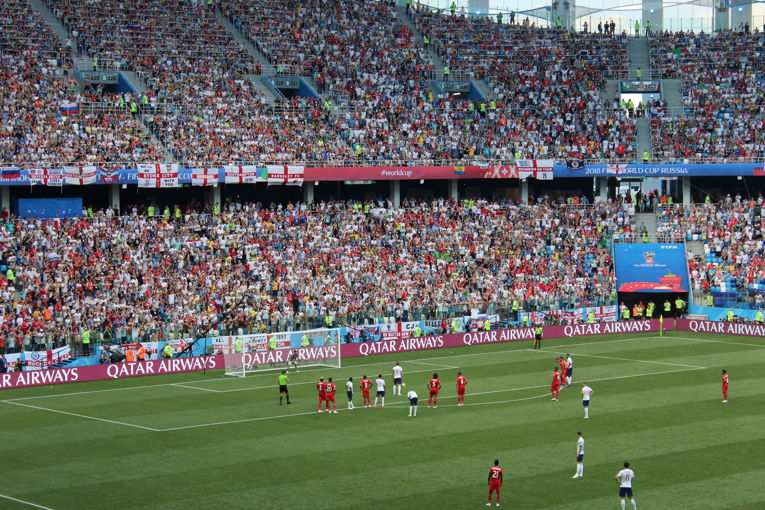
316	347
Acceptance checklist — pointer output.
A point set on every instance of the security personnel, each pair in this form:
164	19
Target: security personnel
646	156
272	343
626	314
515	308
730	315
487	325
305	342
329	320
142	353
425	41
455	326
649	310
216	209
590	318
238	345
667	306
637	28
168	351
85	340
679	304
758	317
453	8
150	211
710	300
177	213
493	105
417	332
130	355
446	72
166	213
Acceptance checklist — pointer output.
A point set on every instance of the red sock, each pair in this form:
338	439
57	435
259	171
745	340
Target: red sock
435	401
497	496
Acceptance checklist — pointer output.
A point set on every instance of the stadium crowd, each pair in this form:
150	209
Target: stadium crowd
151	277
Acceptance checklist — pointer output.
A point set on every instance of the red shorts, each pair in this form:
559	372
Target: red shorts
495	485
555	387
433	393
330	398
725	387
322	397
365	393
461	391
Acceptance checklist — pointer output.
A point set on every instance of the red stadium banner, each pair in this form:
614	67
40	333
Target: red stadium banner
719	327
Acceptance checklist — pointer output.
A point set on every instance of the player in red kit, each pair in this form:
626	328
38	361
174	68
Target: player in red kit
461	382
495	481
433	386
322	394
365	385
725	386
562	365
329	395
555	388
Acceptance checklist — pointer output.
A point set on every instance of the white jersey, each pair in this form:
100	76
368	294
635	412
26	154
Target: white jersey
580	446
586	392
398	371
380	384
349	386
625	478
412	394
569	362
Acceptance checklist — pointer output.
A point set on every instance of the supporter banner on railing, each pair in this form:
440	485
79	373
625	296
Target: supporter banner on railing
650	267
250	174
722	328
38	360
577	315
159	175
204	176
80	175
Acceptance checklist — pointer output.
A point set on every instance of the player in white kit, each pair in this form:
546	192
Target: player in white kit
380	390
586	393
579	456
349	392
412	396
569	369
624	479
398	378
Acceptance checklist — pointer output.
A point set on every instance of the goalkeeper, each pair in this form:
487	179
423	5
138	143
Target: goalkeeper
292	360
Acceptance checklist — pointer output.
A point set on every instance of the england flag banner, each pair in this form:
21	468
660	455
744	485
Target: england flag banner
80	175
537	168
158	175
47	176
204	176
616	169
289	175
240	174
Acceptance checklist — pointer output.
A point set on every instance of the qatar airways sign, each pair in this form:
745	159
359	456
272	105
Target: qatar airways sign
109	371
495	336
722	328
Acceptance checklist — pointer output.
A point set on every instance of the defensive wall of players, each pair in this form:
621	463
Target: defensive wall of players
199	363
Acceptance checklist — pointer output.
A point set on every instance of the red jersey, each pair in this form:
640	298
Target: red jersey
495	475
556	379
329	388
434	385
562	364
461	381
365	385
320	386
725	379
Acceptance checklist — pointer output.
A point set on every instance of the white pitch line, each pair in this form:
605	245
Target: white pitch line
24	502
244	420
433	365
622	359
181	385
762	345
150	429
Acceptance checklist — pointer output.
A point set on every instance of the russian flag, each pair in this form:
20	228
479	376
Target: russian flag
68	108
10	173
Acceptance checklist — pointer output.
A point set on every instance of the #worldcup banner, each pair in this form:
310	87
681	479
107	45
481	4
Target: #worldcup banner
158	175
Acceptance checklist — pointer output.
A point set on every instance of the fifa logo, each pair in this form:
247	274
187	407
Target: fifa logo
649	257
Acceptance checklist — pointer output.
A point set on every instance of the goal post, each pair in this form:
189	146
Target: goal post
296	350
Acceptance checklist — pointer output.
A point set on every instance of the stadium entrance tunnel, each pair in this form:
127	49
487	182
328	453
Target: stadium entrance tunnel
630	299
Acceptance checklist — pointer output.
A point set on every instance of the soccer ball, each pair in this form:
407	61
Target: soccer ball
403	385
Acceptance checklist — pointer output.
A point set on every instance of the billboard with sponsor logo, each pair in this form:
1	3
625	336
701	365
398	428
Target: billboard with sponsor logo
722	328
651	267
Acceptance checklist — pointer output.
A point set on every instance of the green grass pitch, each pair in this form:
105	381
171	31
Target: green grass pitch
199	441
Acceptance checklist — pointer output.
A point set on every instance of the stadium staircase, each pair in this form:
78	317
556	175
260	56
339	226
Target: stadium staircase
649	221
673	94
638	55
50	19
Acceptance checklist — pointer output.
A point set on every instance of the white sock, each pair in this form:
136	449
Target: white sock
568	380
410	410
415	410
383	401
634	504
375	400
586	412
622	503
581	469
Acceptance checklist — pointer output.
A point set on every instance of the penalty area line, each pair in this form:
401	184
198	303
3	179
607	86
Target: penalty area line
25	502
84	416
620	359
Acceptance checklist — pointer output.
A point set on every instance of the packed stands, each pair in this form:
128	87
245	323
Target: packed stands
158	278
723	84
